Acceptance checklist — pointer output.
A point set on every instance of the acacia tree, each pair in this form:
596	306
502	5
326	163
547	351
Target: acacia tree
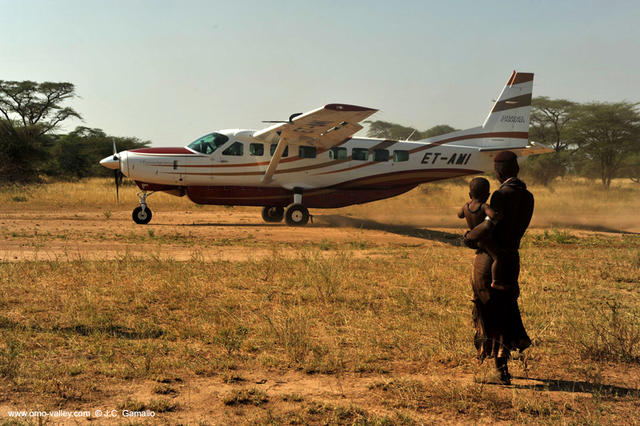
549	119
548	125
607	136
36	105
28	112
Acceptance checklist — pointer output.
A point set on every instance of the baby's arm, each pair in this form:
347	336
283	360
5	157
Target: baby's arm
461	212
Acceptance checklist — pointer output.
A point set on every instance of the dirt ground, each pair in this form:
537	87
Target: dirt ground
235	235
180	235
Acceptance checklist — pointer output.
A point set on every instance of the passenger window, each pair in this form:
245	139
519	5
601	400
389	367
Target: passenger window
360	154
380	155
256	149
236	148
272	149
307	152
400	155
338	153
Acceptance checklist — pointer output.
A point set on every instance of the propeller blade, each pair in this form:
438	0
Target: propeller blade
117	179
117	174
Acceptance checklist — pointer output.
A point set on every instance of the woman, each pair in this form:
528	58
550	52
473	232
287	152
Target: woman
496	314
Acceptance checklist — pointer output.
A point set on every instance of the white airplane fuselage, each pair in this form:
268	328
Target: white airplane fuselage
332	179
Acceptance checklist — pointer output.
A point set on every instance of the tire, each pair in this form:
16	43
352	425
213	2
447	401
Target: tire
140	217
297	215
272	214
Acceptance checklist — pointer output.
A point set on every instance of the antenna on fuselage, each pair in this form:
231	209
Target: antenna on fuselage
407	139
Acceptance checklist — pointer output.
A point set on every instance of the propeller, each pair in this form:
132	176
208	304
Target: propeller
117	174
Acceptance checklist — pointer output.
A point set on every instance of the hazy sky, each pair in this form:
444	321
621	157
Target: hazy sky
170	71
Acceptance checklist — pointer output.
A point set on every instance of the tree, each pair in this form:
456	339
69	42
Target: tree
549	119
36	105
22	152
76	155
388	130
440	129
607	136
632	168
28	112
548	125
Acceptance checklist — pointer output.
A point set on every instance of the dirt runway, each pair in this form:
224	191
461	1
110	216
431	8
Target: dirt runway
182	235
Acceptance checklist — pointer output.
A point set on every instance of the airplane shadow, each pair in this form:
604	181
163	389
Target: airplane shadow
232	225
405	230
600	228
339	221
579	387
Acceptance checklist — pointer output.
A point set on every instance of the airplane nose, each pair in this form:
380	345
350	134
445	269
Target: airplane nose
110	162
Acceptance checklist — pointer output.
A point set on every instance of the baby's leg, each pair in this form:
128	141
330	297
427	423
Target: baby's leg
496	269
496	266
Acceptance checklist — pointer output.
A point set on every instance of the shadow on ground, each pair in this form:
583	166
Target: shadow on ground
231	225
597	228
581	387
405	230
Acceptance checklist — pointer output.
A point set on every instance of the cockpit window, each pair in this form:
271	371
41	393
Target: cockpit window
208	143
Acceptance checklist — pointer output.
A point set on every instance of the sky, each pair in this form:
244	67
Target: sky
171	71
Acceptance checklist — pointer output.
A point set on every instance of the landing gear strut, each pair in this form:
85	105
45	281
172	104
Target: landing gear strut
142	214
272	214
297	214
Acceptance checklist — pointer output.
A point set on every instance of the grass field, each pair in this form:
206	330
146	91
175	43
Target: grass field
363	317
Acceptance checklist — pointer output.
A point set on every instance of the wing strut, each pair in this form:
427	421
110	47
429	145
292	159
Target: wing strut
275	160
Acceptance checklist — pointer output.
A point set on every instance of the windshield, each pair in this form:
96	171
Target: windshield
208	143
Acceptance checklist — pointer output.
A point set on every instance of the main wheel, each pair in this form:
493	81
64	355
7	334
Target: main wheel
272	214
297	215
141	217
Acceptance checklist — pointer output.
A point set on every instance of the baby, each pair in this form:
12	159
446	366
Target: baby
475	212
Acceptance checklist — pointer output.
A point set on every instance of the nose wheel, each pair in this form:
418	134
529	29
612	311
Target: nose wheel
142	214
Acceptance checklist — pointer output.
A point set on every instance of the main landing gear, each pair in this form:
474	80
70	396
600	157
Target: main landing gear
142	214
296	214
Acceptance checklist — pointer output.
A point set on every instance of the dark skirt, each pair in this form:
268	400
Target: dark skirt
496	315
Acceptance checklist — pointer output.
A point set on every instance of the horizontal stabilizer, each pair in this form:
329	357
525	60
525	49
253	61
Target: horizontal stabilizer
531	149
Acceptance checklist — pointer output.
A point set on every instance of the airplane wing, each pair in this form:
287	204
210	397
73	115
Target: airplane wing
323	128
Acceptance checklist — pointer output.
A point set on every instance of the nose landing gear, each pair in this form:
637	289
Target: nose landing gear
142	214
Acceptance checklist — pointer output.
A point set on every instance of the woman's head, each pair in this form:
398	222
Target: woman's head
506	165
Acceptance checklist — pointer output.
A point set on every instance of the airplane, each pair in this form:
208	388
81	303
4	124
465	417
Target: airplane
312	160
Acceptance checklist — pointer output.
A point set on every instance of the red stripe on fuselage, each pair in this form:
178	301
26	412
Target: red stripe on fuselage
162	151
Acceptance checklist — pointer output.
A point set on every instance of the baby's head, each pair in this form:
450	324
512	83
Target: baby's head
479	189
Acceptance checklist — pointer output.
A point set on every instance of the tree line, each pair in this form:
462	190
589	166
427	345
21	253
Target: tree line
30	114
594	140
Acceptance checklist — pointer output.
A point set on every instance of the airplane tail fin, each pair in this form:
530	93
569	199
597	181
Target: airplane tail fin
511	111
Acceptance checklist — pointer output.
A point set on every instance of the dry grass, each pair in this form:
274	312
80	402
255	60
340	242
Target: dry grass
570	202
391	329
